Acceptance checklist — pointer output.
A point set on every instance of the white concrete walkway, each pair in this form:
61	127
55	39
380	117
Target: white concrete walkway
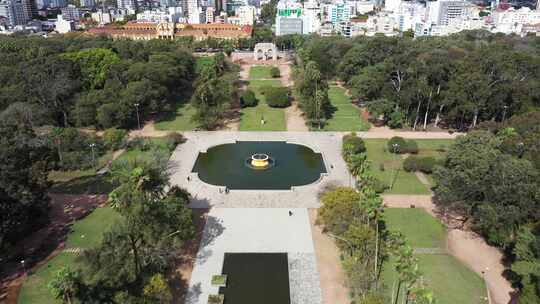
206	195
257	230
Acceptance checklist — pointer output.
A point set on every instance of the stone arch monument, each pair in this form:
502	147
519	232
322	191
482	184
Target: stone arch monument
265	51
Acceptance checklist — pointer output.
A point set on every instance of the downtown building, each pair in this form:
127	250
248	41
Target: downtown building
16	12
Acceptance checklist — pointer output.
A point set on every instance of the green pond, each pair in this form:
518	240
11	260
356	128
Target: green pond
256	278
289	165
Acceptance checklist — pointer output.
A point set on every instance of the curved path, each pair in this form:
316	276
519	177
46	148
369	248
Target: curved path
467	247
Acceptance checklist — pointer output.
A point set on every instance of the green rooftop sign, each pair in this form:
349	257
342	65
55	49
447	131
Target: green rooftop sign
290	12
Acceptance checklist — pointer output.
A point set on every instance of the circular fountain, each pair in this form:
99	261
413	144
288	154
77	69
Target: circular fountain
260	160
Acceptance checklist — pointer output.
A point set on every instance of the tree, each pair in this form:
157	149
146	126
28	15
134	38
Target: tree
312	93
268	12
93	65
497	191
157	290
25	161
340	208
51	82
527	263
65	284
142	244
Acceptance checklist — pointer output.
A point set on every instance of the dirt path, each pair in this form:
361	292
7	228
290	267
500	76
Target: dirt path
467	247
148	130
295	120
186	261
45	243
331	274
386	132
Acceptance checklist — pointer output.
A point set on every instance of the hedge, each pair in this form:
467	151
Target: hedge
422	164
403	146
248	99
277	97
274	72
355	141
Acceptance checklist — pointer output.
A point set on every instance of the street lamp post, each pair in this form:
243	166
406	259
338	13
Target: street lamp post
351	248
138	119
521	149
92	145
504	112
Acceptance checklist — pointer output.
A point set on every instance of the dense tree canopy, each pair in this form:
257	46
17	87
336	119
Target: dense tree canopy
92	81
490	179
456	81
25	160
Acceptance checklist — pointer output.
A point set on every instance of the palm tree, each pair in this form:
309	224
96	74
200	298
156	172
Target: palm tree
64	285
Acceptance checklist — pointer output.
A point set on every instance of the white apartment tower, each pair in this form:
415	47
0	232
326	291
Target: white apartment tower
443	12
311	17
246	14
15	11
127	4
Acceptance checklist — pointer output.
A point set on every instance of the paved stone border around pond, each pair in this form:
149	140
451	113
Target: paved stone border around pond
257	230
304	280
206	195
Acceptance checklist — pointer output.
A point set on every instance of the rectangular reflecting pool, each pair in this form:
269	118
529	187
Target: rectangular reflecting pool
256	278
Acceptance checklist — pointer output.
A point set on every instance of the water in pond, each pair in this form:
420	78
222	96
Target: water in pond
256	278
290	165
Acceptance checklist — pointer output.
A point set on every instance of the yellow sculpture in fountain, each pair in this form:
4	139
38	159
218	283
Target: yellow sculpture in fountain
260	160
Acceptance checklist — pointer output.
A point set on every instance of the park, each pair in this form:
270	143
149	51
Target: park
272	200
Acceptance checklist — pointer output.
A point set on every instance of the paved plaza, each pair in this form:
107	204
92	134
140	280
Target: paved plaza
206	195
257	230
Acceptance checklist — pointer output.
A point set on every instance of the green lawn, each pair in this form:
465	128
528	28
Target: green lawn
160	143
260	72
347	116
250	119
201	62
388	168
179	120
34	289
420	228
450	280
81	181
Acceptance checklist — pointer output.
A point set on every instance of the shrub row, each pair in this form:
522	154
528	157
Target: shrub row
418	163
402	146
277	97
356	142
248	99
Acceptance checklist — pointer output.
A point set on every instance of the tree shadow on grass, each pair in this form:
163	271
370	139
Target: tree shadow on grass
92	184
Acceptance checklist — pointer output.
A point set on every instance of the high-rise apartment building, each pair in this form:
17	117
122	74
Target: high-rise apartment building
15	11
87	3
442	12
71	13
127	4
311	18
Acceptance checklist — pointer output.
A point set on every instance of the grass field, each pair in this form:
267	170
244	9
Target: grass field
201	62
160	143
180	120
81	181
388	167
450	280
421	229
250	119
260	72
86	233
347	116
